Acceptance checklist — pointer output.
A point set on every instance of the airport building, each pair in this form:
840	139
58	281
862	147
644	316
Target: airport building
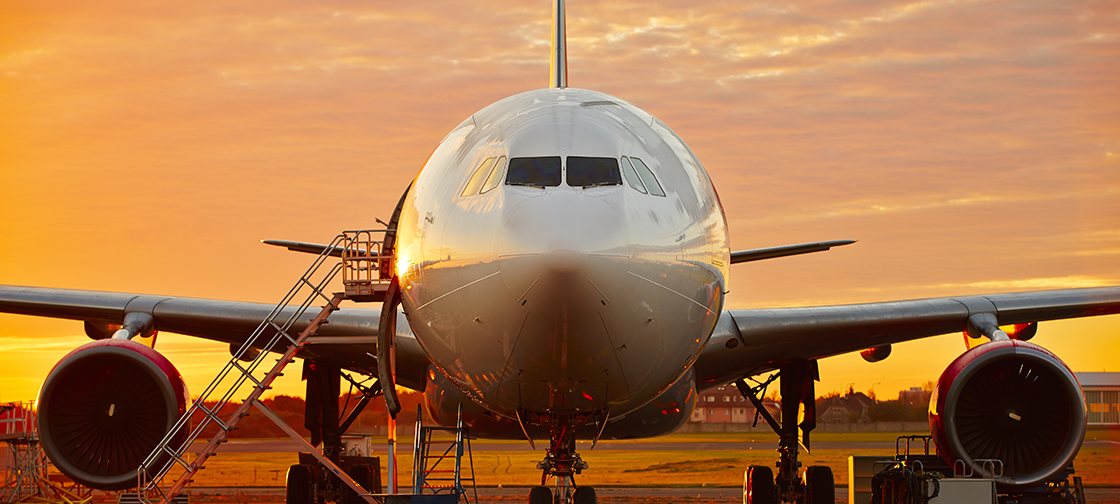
850	408
1102	397
724	404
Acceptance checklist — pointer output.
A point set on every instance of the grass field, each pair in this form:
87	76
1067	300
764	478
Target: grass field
640	468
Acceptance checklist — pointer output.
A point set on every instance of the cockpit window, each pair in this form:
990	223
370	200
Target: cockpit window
593	171
632	176
534	171
495	177
478	178
647	177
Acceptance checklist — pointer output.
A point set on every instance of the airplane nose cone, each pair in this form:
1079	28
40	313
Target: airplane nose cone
567	259
563	226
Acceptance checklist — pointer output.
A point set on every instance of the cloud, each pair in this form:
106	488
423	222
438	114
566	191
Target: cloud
960	141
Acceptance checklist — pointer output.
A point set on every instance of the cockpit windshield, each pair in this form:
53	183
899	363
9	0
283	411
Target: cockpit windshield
593	171
534	171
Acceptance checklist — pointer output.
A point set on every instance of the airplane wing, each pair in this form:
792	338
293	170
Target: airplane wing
765	337
350	339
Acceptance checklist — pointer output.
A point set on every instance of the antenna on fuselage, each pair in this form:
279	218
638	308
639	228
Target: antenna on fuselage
558	75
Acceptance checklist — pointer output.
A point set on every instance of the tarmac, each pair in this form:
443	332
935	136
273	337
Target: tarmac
288	446
703	495
622	495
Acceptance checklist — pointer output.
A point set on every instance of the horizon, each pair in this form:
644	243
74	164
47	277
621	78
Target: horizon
969	147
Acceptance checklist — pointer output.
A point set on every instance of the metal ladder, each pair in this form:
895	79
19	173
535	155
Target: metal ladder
427	472
277	330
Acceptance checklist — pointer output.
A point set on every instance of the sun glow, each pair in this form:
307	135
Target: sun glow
403	264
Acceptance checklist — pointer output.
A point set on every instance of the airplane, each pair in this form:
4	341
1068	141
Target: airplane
560	267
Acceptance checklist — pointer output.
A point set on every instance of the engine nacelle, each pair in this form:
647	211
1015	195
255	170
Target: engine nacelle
1013	401
104	407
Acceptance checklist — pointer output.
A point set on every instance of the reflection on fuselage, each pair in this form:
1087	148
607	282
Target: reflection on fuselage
581	294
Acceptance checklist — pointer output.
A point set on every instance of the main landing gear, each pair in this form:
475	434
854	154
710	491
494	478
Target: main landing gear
563	463
815	485
309	482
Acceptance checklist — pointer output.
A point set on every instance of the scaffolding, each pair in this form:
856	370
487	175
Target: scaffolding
285	330
26	466
27	473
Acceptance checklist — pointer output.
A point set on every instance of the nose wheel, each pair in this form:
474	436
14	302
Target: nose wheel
562	463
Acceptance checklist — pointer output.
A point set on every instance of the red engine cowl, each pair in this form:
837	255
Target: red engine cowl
104	407
1013	401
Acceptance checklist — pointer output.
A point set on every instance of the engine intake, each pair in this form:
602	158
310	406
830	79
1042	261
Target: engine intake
104	407
1013	401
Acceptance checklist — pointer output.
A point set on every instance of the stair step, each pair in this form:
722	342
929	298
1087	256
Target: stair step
277	327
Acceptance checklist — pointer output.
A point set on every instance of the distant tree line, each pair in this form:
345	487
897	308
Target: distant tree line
897	411
291	409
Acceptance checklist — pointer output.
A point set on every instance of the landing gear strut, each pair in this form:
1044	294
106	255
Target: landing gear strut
563	463
309	482
799	413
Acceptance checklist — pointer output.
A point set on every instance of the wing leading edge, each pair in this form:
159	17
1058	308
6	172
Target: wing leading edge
773	335
350	338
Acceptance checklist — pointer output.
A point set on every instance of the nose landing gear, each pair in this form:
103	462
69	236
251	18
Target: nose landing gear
563	463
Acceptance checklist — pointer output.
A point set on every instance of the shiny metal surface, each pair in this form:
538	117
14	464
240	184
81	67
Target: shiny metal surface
563	298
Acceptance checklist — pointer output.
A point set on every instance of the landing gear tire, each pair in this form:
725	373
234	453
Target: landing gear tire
584	495
538	495
297	486
819	485
363	475
759	486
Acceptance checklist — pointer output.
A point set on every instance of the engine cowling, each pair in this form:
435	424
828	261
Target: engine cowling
104	407
1013	401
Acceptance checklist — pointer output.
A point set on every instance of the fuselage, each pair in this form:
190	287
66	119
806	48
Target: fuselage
562	251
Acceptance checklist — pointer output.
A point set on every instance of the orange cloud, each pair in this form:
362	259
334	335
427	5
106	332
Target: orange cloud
967	145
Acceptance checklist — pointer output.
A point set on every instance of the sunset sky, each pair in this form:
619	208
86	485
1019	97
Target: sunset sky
970	146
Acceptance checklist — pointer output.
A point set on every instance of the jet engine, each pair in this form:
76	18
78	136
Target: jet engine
104	407
1013	401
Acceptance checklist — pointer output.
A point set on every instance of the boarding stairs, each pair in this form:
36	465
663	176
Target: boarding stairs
436	472
284	329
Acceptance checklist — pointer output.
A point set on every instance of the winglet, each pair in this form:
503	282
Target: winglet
558	75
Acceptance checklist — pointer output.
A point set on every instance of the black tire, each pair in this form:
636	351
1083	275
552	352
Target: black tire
759	486
362	474
584	495
540	495
297	485
819	485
